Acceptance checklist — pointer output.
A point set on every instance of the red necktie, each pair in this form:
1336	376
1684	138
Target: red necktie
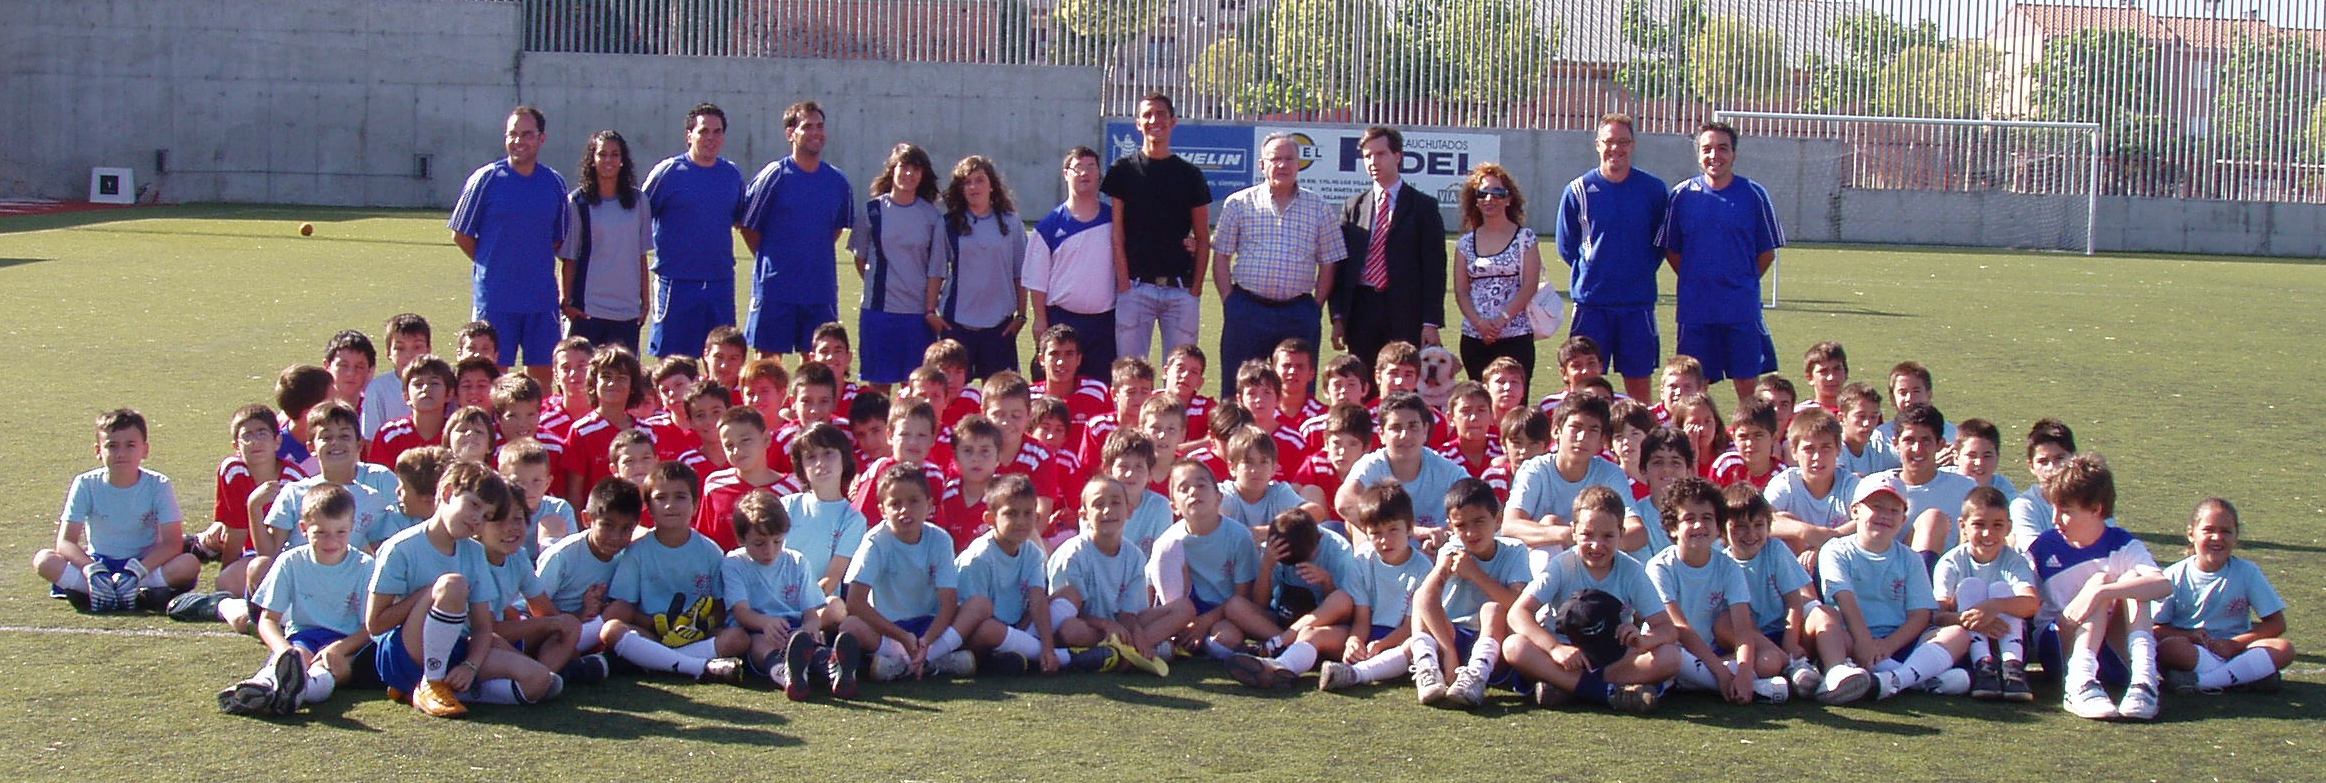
1376	273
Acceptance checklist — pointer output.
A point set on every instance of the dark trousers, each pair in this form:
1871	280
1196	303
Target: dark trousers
990	350
1368	325
1251	328
1097	332
1476	354
600	331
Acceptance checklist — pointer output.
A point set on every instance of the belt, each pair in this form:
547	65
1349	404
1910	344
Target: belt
1166	282
1272	302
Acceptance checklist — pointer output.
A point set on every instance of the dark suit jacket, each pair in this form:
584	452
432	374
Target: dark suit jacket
1416	254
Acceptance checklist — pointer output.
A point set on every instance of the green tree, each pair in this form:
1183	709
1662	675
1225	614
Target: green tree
1731	61
1663	73
1956	80
2103	76
1494	51
1098	29
1869	42
2266	96
1317	48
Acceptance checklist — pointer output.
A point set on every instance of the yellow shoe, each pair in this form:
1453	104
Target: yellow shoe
436	699
1138	658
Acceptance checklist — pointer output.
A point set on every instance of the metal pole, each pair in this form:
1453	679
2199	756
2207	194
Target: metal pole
2092	201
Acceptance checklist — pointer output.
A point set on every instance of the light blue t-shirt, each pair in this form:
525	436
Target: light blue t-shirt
1110	584
1788	493
1771	575
1218	561
1565	575
904	578
1279	498
122	521
310	594
291	502
1878	456
1333	554
1652	521
1508	566
1958	565
2031	516
2222	603
1428	487
409	563
783	588
1540	489
1944	493
1388	589
1887	432
1704	592
658	578
1148	521
391	521
1998	481
568	569
554	516
1888	584
988	570
515	579
822	529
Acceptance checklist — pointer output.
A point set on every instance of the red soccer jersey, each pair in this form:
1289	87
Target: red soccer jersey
1291	448
1089	398
1035	463
1308	410
1210	459
586	451
1476	468
235	483
1199	417
396	437
1497	476
1730	468
1317	471
967	402
779	446
715	515
556	417
864	493
961	516
1093	445
671	437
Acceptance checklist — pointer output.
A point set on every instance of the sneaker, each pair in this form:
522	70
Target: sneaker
726	670
588	669
2276	681
2015	682
798	652
958	663
1468	688
196	607
1987	680
1005	664
1774	690
1429	682
154	599
1100	658
1804	678
1248	670
248	697
436	699
887	669
79	599
2090	701
290	681
2139	703
1335	675
841	667
1138	659
1549	696
2180	682
1844	683
1636	699
193	546
1952	682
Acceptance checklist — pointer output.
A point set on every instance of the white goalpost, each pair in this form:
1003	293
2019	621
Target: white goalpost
2051	163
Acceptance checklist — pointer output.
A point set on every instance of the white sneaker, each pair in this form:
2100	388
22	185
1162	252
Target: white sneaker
1429	684
1804	678
1952	682
1886	685
1469	687
1335	675
958	663
1845	683
2139	703
887	669
2090	701
1774	690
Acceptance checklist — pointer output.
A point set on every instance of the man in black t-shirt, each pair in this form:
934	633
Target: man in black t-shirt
1161	204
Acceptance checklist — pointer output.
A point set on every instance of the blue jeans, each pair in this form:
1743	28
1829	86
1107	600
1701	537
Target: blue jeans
1146	307
1250	329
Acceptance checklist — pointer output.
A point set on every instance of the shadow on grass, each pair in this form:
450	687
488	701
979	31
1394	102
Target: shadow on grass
1959	250
291	215
9	262
1834	307
2274	546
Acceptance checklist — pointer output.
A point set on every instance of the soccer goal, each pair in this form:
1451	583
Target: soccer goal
2016	184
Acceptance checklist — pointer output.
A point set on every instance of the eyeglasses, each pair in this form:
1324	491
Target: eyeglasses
1491	192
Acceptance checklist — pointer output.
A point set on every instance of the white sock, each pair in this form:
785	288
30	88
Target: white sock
1486	654
438	634
1929	660
1061	610
1982	648
320	683
2083	667
1063	654
1422	650
266	671
2014	642
2140	656
1167	569
654	656
1300	657
1694	675
1218	651
1019	642
1162	651
890	649
1384	667
588	642
493	692
776	671
946	643
2249	666
72	579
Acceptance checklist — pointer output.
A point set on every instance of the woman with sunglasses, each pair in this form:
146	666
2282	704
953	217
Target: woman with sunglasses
1496	270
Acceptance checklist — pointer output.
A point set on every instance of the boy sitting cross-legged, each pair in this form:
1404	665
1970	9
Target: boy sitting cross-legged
1098	580
1459	607
1599	652
666	614
313	636
903	584
772	593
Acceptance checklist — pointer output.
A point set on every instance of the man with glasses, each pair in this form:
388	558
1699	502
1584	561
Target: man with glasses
1285	241
1608	220
1069	269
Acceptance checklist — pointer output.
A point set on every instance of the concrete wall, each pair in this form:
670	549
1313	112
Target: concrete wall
330	102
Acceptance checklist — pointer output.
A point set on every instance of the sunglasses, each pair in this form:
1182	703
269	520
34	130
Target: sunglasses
1491	192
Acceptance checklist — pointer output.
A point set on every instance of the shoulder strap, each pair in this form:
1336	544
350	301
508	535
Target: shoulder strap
953	269
876	284
581	255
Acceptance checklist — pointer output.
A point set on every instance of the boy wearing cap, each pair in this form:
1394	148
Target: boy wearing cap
1880	589
1600	652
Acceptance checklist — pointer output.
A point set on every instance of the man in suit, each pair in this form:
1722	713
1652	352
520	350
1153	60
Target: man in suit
1397	240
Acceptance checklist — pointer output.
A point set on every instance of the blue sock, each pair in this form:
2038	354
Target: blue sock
1593	687
1929	561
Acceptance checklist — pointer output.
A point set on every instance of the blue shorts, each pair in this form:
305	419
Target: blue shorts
2114	672
535	333
1628	343
779	327
396	666
1201	606
1380	632
685	312
917	626
1738	351
889	345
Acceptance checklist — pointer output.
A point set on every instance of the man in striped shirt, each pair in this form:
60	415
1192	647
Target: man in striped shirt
1286	242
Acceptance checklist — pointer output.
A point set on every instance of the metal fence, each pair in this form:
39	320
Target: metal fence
2199	98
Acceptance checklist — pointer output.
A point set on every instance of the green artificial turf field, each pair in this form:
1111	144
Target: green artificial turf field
2196	376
